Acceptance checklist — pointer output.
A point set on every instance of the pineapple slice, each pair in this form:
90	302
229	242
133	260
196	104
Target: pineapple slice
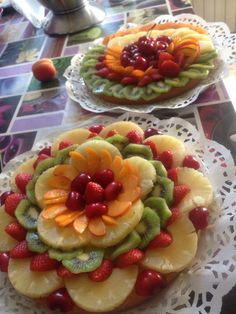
201	193
32	284
77	136
98	146
179	254
102	296
42	186
6	241
122	127
167	142
26	167
147	174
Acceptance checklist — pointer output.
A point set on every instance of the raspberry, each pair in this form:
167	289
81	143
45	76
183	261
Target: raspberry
64	272
134	137
102	272
129	258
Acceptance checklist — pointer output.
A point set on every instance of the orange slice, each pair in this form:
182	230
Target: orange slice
67	171
93	160
67	218
54	210
54	194
79	161
109	220
130	195
118	208
80	224
60	182
106	159
97	227
57	200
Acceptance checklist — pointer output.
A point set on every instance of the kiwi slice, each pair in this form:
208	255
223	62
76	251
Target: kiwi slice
148	227
44	165
130	242
60	255
63	154
27	215
167	189
118	140
156	191
158	204
30	191
159	167
86	261
99	138
143	151
34	243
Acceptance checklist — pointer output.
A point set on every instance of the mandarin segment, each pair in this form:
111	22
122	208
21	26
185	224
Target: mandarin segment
67	171
118	208
53	210
109	220
131	195
106	159
79	162
56	193
59	182
57	200
80	224
97	227
67	218
93	160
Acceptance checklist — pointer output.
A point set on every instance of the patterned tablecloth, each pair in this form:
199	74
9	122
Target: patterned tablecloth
28	107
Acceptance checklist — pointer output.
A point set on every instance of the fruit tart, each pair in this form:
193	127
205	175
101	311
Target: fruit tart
149	63
103	219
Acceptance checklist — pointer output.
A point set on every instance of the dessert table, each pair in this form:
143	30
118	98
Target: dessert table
30	109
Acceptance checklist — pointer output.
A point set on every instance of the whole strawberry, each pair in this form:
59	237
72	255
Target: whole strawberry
180	191
166	157
22	179
176	214
163	239
21	251
42	262
12	201
94	193
129	258
40	158
64	272
15	230
134	137
65	144
96	128
102	272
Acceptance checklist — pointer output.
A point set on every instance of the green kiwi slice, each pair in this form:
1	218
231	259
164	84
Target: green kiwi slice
159	167
156	191
167	189
27	214
86	261
60	255
118	140
63	154
130	242
34	243
30	191
159	205
143	151
43	166
148	227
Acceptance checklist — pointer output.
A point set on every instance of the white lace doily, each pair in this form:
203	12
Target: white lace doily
224	42
200	288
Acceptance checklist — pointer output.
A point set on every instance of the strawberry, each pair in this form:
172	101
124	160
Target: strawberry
4	196
148	282
166	158
21	251
4	261
42	262
129	258
12	202
65	144
134	137
163	239
61	300
191	162
173	175
111	133
180	191
64	272
152	145
40	158
46	151
15	230
92	134
176	213
96	128
102	272
94	193
169	68
21	180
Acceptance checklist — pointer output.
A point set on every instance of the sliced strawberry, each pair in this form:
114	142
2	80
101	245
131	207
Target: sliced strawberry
166	158
4	261
134	137
46	151
191	162
173	175
94	193
42	262
15	230
152	145
129	258
64	272
102	272
169	68
180	191
12	201
176	214
40	158
92	134
111	133
22	179
148	282
163	239
96	128
21	251
64	144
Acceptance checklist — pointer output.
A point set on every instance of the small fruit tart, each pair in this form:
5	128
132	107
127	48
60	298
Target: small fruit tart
102	219
149	63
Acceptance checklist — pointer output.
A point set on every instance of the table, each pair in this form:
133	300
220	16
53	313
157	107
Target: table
28	107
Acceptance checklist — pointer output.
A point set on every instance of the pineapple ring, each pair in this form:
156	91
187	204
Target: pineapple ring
7	242
122	127
42	186
179	254
32	284
102	296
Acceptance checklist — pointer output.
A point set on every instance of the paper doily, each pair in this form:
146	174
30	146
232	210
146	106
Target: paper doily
224	42
200	288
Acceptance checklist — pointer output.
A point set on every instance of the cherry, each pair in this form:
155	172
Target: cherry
129	80
96	210
96	128
160	45
147	47
61	300
112	190
113	76
4	196
74	201
151	131
104	177
103	72
141	63
125	59
99	66
46	151
191	162
4	261
145	80
199	217
80	182
165	39
147	282
101	58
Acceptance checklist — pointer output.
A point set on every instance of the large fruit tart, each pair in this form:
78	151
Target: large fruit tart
149	63
103	218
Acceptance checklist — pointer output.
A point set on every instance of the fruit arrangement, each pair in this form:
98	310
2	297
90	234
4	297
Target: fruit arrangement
104	218
148	63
